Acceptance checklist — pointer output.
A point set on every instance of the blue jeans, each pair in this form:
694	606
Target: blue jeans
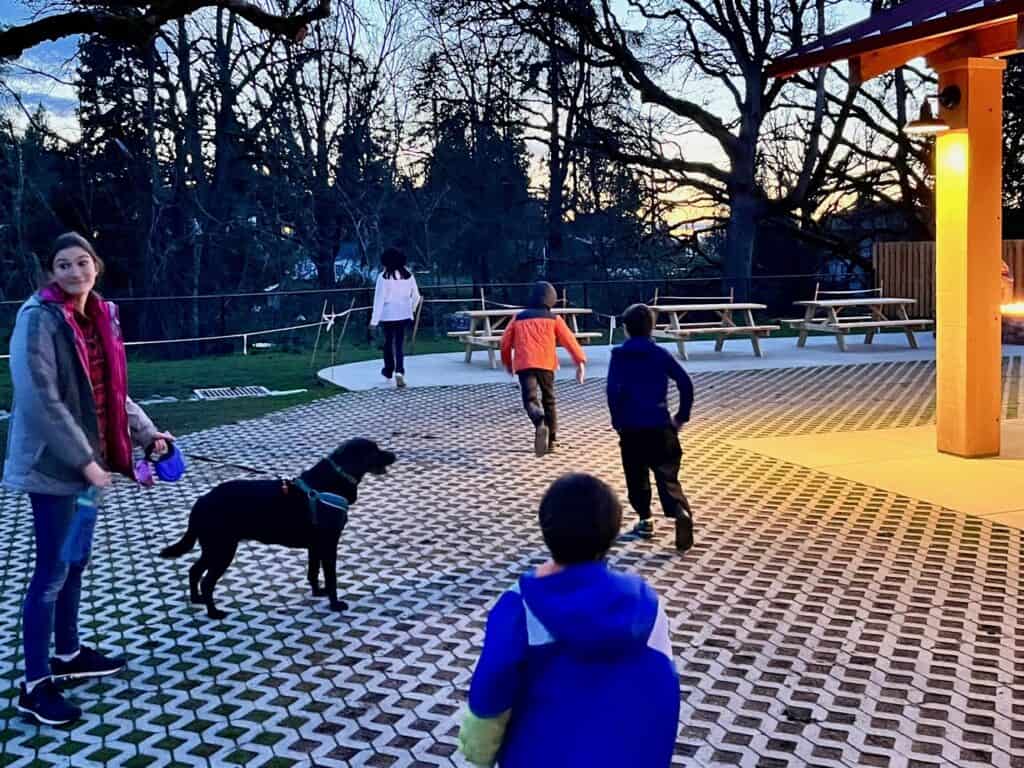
63	544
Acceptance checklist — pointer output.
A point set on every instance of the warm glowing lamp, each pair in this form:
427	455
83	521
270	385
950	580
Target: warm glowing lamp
929	125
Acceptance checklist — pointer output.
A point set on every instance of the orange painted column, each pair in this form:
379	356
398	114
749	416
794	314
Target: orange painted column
969	223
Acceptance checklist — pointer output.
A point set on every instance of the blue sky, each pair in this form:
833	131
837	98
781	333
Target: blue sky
59	98
56	58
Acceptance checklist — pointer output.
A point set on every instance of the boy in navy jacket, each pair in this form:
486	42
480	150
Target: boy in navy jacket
574	653
638	379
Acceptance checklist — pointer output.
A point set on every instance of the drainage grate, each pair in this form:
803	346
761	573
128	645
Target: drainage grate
227	393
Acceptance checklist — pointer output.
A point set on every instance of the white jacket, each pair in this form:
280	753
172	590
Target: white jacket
394	299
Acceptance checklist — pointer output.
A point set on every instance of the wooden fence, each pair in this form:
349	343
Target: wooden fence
908	269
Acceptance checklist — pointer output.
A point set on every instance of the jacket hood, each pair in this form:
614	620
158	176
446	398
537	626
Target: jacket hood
591	610
543	295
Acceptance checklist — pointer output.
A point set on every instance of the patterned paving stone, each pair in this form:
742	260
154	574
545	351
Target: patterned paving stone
818	622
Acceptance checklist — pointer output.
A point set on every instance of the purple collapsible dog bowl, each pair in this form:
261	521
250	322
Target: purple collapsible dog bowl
143	473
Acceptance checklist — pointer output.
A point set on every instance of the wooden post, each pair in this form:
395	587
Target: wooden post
416	325
344	325
334	336
316	342
968	255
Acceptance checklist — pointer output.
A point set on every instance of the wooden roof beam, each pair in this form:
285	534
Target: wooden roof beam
862	44
993	41
875	63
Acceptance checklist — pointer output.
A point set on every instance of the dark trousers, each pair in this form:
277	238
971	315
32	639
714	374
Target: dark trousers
394	346
657	451
63	542
538	387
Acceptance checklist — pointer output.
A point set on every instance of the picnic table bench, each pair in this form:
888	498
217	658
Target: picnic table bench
725	326
824	314
486	327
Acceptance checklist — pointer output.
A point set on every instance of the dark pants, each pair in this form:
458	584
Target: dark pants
63	544
653	450
394	346
538	387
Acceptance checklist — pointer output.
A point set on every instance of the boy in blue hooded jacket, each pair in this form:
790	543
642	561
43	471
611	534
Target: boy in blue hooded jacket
573	652
637	386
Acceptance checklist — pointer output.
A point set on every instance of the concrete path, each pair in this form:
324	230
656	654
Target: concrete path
449	369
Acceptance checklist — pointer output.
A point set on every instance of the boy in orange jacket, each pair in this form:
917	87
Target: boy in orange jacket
528	349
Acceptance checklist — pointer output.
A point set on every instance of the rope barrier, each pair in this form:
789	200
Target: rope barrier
328	319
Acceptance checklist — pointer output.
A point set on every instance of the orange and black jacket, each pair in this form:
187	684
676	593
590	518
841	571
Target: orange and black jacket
529	341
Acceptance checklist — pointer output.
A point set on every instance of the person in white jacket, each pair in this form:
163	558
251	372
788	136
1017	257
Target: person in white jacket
395	299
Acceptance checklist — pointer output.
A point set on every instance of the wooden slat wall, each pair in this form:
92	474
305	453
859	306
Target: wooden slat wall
908	270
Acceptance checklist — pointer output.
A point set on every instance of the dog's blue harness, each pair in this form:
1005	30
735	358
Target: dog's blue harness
315	497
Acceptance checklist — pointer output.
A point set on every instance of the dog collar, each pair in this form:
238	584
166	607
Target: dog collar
341	472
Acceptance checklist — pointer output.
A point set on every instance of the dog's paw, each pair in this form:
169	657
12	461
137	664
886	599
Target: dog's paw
196	598
216	613
339	605
319	591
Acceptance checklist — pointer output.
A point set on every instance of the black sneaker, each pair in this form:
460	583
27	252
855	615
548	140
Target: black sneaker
684	533
540	439
644	529
88	663
46	705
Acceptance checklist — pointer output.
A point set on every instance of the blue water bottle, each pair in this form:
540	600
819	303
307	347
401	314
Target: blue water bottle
79	543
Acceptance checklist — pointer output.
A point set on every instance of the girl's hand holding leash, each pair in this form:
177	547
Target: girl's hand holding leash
160	440
581	373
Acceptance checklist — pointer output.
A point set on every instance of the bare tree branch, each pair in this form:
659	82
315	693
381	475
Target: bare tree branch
139	23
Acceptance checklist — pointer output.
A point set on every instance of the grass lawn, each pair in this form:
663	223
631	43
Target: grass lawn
273	370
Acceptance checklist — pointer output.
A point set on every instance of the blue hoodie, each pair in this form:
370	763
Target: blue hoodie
637	386
583	660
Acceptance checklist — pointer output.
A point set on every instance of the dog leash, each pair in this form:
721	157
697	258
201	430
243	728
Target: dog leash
208	460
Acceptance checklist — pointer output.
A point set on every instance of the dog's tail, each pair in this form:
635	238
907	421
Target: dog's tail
183	545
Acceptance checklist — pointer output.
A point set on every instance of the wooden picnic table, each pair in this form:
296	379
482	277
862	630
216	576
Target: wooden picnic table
826	316
487	325
724	327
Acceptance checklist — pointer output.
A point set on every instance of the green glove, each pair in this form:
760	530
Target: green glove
480	737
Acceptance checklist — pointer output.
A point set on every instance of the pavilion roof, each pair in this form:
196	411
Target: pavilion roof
915	28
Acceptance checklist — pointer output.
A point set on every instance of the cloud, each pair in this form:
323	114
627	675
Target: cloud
43	76
64	125
34	87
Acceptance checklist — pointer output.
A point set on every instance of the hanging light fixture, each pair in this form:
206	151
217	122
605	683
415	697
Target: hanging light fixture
929	125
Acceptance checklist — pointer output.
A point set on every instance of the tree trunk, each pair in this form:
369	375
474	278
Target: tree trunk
739	244
157	322
192	146
744	198
557	171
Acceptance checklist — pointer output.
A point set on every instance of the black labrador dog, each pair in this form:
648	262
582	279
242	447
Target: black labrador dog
304	513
